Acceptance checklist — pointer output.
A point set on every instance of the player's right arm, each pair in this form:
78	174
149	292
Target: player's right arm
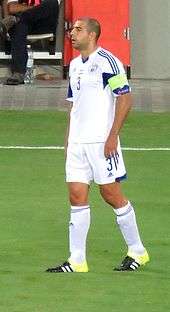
70	100
67	129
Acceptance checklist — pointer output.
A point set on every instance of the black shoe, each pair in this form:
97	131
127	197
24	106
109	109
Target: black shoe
15	79
6	23
128	264
63	268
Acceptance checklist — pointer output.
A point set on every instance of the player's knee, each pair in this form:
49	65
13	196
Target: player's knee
77	198
78	194
112	198
107	196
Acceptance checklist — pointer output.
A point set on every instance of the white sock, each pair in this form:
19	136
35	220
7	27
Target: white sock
126	221
78	230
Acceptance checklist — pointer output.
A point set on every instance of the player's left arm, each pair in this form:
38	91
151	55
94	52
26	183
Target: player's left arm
123	106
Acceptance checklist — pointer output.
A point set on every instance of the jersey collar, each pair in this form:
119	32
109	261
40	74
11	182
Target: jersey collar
90	56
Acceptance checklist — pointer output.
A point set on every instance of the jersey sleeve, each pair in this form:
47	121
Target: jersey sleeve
114	75
69	91
69	94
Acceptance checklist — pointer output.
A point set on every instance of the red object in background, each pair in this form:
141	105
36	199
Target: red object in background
113	16
34	2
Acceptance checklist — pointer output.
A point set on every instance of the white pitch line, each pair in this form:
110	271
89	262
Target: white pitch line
33	147
62	148
146	148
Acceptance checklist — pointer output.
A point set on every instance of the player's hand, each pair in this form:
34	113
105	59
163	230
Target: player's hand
110	147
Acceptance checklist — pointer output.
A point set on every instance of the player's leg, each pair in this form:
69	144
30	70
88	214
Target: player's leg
79	223
108	172
77	169
126	220
78	229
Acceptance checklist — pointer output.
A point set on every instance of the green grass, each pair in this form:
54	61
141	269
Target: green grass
34	215
32	128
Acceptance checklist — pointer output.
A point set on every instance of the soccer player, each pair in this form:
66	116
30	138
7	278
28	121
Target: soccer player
26	17
100	97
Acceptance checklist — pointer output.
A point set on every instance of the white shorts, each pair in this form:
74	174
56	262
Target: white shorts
86	163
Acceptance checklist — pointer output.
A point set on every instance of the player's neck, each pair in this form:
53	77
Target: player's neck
85	53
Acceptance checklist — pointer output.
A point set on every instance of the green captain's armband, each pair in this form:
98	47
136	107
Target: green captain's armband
119	84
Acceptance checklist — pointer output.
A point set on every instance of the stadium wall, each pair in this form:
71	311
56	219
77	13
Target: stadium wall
150	39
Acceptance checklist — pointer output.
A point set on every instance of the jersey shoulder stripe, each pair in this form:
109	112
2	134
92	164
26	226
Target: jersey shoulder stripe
111	60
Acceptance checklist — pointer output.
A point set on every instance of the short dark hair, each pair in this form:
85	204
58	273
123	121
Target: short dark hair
93	25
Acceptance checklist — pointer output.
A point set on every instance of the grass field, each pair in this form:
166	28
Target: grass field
34	214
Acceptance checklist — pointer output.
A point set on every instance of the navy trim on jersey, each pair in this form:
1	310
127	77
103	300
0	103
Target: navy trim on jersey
119	179
121	91
111	61
84	60
70	92
106	77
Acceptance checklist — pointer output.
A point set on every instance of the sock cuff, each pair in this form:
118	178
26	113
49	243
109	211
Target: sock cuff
123	210
79	208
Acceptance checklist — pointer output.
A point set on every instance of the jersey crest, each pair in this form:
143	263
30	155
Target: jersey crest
93	68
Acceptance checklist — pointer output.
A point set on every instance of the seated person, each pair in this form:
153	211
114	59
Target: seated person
4	12
26	17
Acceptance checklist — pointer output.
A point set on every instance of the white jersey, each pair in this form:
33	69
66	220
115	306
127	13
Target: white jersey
94	85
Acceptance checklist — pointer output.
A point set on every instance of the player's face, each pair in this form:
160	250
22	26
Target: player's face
80	36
